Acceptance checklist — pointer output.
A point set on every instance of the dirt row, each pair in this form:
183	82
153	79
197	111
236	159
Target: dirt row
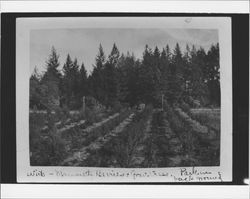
163	147
147	139
125	146
82	154
167	146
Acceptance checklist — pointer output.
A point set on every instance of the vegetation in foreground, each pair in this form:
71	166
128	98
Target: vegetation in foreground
112	127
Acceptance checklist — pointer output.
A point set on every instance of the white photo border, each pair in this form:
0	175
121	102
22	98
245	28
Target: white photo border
67	174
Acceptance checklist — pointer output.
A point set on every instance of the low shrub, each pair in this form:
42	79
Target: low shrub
122	148
82	114
36	122
208	119
108	126
183	128
193	124
91	116
144	114
48	149
185	107
117	107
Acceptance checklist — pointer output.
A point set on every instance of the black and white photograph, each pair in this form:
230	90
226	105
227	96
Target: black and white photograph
125	98
112	94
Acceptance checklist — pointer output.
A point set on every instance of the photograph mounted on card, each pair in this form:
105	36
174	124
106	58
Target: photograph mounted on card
124	99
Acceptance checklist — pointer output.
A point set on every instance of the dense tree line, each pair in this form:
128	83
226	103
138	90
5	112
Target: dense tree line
188	76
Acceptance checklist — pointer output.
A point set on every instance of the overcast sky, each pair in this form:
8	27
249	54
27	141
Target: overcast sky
83	43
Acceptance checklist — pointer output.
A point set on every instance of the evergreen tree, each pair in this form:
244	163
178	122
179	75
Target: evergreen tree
156	67
168	53
76	87
51	82
68	66
67	83
114	55
122	75
187	71
111	77
83	81
176	80
125	79
212	74
165	71
199	89
146	77
52	65
71	84
128	76
35	93
157	55
100	58
96	79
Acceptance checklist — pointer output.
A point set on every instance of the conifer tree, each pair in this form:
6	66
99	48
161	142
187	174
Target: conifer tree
35	93
114	55
146	77
187	71
176	81
128	77
76	95
165	72
96	79
124	79
111	77
67	81
168	53
212	74
199	89
156	67
51	82
100	58
83	81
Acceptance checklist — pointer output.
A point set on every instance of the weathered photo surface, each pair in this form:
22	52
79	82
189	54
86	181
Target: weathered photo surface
125	96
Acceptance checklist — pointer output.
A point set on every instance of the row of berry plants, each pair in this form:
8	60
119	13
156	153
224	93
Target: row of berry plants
203	141
121	149
81	139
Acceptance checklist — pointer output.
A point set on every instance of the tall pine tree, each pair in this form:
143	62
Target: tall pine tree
51	82
83	81
67	83
111	77
212	74
176	80
146	77
199	89
96	79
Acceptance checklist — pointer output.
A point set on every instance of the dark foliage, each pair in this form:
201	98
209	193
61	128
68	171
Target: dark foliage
192	77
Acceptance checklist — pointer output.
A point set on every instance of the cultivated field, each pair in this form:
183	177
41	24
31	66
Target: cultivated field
126	137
